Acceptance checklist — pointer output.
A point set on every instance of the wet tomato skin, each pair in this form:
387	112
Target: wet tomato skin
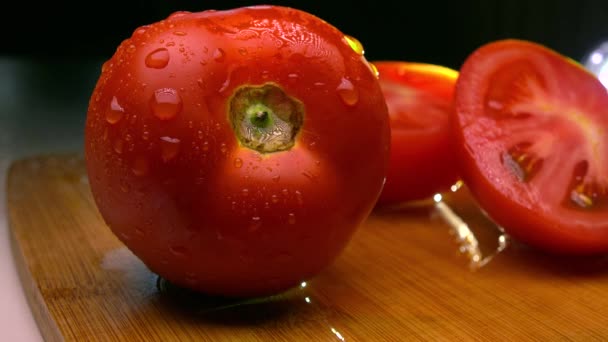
530	128
181	189
422	159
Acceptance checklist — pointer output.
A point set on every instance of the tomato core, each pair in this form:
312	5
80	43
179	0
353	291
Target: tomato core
264	118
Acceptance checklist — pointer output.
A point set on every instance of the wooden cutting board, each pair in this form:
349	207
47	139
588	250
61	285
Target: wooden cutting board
401	278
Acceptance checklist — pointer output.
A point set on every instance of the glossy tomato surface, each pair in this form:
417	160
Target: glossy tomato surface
422	160
236	152
533	132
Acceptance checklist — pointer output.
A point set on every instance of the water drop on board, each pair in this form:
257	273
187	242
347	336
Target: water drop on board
158	58
169	148
166	103
347	92
115	113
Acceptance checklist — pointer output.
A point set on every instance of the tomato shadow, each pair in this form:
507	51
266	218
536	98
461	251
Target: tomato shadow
404	211
190	305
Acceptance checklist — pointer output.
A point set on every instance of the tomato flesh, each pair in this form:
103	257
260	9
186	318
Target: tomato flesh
532	128
419	99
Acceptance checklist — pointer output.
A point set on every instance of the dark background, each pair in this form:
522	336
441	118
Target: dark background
51	51
441	32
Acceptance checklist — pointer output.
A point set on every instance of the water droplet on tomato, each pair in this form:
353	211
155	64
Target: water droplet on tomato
374	69
205	146
145	135
116	112
218	55
299	198
245	192
124	236
169	148
238	162
179	33
312	177
166	103
274	199
224	85
200	83
276	178
291	218
140	232
255	224
179	251
243	51
223	148
191	279
354	44
124	186
139	31
177	14
347	92
118	146
140	166
158	58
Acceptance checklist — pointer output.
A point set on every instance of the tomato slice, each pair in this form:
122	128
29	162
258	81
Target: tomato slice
532	132
419	98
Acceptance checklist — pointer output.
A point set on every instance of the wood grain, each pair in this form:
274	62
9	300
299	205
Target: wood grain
401	278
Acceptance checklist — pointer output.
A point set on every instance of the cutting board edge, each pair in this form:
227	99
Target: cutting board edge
46	324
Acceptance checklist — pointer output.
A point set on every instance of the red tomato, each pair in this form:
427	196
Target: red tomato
236	152
532	127
419	98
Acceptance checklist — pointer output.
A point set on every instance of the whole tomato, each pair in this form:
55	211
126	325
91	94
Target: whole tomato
236	152
422	161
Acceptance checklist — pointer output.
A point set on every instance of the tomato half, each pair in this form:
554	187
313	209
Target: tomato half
236	152
532	127
419	98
